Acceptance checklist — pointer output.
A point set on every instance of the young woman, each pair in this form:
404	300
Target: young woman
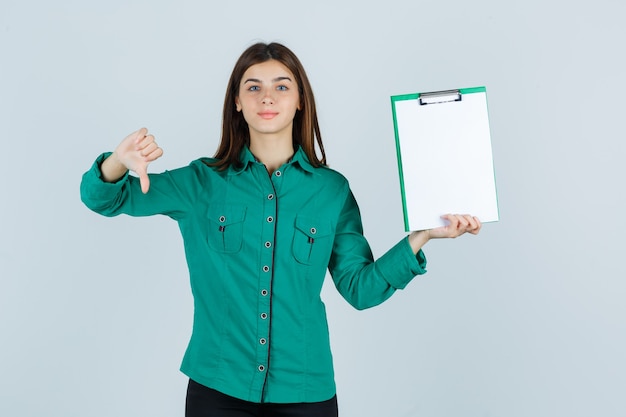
262	221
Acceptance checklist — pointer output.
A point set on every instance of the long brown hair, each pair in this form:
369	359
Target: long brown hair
235	131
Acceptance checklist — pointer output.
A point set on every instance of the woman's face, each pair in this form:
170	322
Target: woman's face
268	98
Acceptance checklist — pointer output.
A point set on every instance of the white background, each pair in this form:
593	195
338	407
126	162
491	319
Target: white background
527	319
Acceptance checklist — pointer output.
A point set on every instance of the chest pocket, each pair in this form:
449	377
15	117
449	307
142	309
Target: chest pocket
225	232
312	241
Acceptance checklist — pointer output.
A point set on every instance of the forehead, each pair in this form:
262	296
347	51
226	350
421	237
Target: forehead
267	71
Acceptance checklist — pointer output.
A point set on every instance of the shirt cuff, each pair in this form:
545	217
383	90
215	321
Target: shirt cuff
400	265
94	190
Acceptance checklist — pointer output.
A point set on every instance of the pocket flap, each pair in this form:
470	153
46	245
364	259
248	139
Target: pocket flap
313	227
225	215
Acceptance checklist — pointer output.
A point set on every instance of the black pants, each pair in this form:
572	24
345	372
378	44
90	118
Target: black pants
207	402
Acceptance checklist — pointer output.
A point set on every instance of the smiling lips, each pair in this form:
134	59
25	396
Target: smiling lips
268	114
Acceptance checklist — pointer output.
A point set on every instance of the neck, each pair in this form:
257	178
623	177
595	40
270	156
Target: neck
272	152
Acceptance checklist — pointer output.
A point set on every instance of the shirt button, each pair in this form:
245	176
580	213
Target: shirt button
222	219
263	293
268	244
278	173
270	196
270	219
313	230
263	316
262	341
266	268
261	368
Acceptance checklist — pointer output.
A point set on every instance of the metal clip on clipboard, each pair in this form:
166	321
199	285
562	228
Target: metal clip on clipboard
437	97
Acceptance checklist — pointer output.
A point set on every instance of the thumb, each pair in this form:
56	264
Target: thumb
144	180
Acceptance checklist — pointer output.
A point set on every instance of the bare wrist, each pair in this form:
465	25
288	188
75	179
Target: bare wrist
112	168
418	239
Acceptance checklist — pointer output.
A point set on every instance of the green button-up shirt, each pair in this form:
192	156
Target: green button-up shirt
258	248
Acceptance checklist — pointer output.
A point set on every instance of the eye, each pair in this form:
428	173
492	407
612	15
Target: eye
254	88
282	88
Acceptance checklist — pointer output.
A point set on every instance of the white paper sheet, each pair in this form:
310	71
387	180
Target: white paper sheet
445	159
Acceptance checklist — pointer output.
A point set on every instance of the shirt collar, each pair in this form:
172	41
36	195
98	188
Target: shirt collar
246	158
301	159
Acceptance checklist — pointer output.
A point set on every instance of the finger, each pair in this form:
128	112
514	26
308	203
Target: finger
144	142
144	180
478	226
459	221
148	149
155	154
453	219
448	217
464	223
452	226
140	134
465	220
471	223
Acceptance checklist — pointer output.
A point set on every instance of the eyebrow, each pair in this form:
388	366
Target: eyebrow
275	80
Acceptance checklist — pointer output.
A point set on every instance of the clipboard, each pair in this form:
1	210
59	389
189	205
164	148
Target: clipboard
445	160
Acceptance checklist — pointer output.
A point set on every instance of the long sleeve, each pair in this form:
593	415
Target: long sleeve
171	193
361	281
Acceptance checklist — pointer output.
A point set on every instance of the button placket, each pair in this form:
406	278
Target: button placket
266	266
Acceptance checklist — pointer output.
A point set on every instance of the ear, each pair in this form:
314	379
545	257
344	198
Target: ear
237	104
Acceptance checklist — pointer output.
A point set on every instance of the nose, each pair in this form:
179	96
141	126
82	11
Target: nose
267	98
